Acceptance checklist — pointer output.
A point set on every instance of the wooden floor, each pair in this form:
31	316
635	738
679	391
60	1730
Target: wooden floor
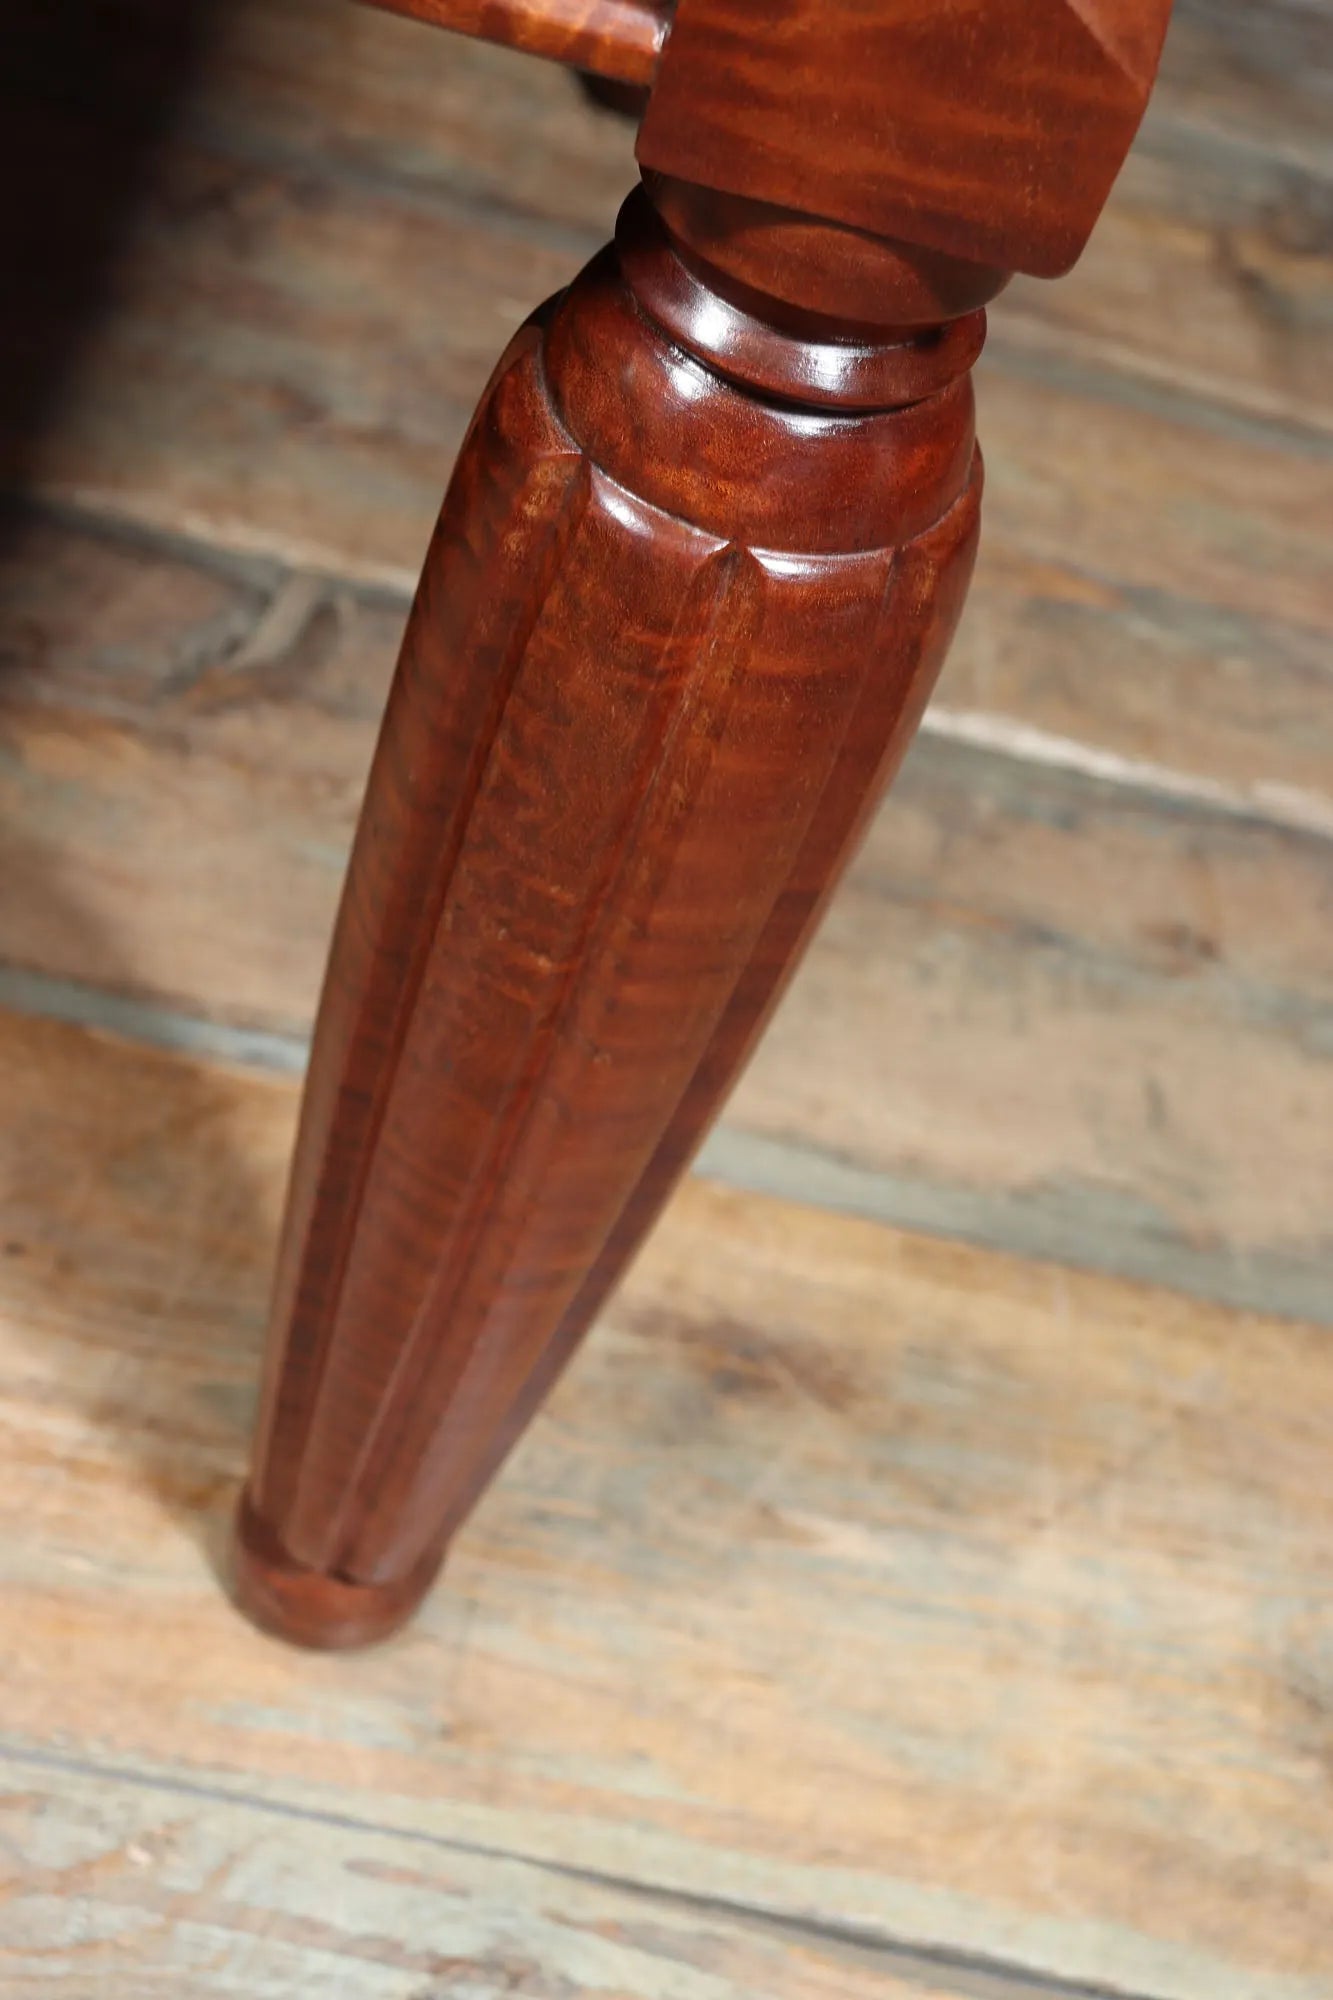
923	1585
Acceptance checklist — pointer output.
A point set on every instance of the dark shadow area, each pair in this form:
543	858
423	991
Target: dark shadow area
88	93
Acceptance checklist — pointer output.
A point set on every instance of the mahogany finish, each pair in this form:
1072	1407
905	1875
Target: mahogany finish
986	129
674	632
707	540
617	39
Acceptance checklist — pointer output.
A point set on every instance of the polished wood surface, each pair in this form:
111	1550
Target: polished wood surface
688	594
990	130
702	555
617	39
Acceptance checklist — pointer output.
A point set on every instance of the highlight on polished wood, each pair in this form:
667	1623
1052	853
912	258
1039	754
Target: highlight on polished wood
617	39
586	867
701	558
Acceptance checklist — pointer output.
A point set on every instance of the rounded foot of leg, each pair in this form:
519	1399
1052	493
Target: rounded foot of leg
311	1609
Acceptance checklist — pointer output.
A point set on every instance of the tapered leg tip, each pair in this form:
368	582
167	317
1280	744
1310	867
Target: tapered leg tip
308	1608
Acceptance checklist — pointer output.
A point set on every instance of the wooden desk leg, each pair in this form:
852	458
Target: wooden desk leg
690	588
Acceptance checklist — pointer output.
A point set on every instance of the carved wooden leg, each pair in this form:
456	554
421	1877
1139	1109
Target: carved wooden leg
689	591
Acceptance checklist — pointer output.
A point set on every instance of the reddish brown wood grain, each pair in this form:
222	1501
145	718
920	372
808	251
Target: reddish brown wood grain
703	551
688	594
617	39
986	129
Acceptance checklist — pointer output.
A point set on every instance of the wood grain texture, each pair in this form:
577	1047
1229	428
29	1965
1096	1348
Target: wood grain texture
692	583
620	39
869	1581
1211	269
1014	1024
125	1891
1210	272
1105	1787
1103	1050
991	130
687	598
254	386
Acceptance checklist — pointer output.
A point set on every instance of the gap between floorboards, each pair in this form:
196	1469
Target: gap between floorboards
1070	1228
979	1975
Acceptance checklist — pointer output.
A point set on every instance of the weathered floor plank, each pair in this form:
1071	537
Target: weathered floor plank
1015	1025
122	1890
851	1576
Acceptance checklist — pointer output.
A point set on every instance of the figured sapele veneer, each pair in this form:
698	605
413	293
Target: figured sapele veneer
701	558
674	633
990	130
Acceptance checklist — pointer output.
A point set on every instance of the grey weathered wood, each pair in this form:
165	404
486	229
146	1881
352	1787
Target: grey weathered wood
126	1890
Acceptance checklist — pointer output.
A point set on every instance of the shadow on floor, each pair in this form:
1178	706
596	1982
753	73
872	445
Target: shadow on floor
92	90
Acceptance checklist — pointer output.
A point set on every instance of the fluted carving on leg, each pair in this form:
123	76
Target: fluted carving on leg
674	632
